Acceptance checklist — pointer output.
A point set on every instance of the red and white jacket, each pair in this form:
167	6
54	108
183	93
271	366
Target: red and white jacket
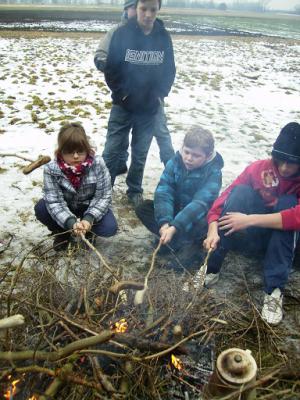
263	176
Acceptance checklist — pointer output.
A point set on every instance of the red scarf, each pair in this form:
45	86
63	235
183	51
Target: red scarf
75	173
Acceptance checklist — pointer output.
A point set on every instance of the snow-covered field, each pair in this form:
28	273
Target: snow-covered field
243	90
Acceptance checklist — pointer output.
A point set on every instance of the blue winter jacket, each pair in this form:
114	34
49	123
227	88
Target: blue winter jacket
182	197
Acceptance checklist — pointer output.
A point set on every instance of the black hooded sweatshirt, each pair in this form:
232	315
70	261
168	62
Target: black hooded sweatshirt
140	69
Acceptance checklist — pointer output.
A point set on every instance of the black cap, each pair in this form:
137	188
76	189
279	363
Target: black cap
287	144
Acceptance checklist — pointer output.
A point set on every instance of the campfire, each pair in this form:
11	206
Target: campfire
120	326
176	362
83	335
11	391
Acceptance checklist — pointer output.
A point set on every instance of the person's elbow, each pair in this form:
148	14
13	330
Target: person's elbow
100	64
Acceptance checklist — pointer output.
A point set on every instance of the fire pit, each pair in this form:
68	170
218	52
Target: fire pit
83	340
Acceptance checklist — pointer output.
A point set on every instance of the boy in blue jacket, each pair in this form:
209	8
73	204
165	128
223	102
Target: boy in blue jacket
187	188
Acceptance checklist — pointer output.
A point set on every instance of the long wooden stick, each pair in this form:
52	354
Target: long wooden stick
89	244
139	296
75	346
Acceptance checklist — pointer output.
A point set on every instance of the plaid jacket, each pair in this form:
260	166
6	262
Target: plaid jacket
61	198
183	198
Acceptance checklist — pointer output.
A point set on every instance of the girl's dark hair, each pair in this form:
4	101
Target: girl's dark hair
72	137
201	138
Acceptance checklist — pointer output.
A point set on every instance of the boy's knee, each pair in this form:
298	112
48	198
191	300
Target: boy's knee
242	190
237	198
109	230
286	201
112	230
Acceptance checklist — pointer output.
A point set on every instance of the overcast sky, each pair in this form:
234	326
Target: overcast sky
274	4
283	4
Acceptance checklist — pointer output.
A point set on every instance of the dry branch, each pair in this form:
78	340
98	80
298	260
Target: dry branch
122	285
11	322
100	257
16	155
139	296
36	164
57	355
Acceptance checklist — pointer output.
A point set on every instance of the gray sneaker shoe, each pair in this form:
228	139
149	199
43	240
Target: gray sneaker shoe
211	279
135	199
272	308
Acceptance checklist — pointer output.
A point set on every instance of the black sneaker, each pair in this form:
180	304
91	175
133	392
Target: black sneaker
135	199
122	170
61	241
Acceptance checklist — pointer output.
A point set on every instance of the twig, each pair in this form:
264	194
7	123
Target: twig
99	256
16	155
139	296
5	245
167	351
122	285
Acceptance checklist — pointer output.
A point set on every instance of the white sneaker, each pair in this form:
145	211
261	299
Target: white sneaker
211	279
272	308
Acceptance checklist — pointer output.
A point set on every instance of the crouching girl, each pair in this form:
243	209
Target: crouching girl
77	190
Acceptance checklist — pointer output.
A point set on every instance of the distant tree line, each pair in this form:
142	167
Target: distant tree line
258	6
239	5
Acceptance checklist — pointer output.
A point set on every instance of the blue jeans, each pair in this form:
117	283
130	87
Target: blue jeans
143	128
145	212
278	245
106	227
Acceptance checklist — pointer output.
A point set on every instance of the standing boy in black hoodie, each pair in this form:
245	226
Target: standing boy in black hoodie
140	71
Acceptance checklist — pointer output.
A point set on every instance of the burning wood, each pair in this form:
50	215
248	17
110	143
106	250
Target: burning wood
176	362
12	390
120	326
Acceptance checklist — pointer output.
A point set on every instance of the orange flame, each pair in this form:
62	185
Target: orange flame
177	363
12	389
120	326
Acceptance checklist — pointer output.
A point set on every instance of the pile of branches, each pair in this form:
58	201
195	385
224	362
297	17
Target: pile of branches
84	337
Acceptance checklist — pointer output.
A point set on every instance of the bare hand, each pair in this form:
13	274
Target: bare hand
213	238
163	228
86	225
211	242
167	234
233	222
81	227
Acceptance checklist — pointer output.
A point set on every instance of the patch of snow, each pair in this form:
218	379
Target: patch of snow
45	81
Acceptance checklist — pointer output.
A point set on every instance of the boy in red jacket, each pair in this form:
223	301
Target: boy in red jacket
264	203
